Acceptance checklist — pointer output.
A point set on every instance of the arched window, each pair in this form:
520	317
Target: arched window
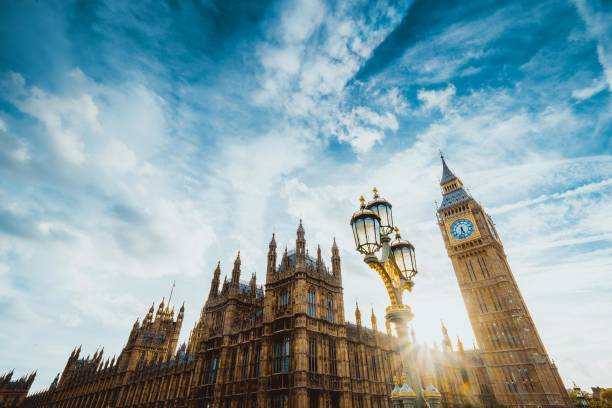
312	354
214	364
283	300
329	309
282	350
312	303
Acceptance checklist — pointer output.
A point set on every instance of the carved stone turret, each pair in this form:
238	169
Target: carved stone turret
335	261
214	285
300	249
271	267
373	319
236	272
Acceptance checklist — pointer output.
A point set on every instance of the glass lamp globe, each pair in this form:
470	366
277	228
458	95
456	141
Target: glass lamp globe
366	230
383	209
404	256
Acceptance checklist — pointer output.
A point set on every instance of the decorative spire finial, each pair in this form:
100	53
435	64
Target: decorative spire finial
362	201
375	191
273	241
373	319
397	233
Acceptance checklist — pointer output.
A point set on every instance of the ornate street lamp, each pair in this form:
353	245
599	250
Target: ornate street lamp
366	229
404	257
372	225
383	209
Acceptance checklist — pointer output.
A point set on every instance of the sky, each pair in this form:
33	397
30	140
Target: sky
140	142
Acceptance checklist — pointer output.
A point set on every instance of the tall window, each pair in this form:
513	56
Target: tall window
232	366
312	303
282	351
333	369
313	399
217	321
312	354
283	300
286	350
256	360
329	309
214	365
278	353
280	401
374	365
357	364
245	362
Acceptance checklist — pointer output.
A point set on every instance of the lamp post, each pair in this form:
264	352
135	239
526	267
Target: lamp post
372	226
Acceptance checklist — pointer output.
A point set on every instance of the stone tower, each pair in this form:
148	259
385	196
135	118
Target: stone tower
306	296
521	372
155	339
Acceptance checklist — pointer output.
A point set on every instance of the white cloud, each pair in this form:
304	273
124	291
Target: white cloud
587	92
315	52
300	19
394	99
362	128
122	217
437	99
605	59
599	26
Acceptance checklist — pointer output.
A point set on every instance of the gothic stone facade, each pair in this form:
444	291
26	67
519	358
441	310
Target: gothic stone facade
13	392
287	346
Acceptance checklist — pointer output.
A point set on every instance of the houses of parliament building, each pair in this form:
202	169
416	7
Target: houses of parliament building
287	343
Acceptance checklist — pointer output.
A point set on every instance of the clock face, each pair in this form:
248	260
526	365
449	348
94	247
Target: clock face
462	229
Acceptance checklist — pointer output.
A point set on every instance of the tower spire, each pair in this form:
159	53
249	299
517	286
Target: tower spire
271	259
447	174
236	271
451	186
446	341
335	261
253	285
460	346
373	319
300	248
214	285
357	314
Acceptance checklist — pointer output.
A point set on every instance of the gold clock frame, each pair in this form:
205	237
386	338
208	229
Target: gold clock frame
461	216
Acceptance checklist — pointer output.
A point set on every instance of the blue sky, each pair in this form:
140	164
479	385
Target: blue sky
139	143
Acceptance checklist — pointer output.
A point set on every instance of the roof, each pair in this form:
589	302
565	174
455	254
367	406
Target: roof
245	288
310	261
454	197
447	174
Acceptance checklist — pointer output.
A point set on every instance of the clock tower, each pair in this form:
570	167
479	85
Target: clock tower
518	365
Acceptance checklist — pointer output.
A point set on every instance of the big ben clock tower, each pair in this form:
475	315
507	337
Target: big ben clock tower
520	370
